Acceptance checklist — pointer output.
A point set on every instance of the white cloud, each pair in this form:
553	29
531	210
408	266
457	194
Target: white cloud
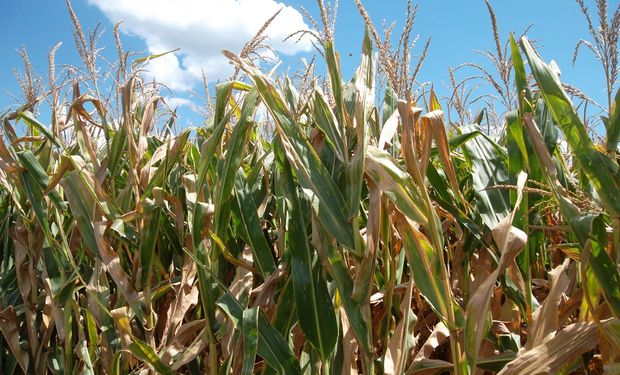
202	29
177	102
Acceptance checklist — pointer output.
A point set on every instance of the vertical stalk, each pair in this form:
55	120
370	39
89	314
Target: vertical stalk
150	322
413	164
455	348
368	364
325	367
616	238
213	365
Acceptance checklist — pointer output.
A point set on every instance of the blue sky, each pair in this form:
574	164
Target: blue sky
457	27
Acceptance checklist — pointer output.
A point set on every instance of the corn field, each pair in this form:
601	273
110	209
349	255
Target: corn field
355	230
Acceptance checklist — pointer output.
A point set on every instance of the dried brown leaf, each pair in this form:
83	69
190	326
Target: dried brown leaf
435	120
240	288
186	298
113	265
556	351
349	346
440	334
510	241
545	320
397	351
9	327
389	130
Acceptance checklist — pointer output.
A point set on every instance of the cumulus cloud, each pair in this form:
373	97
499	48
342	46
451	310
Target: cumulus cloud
201	29
177	102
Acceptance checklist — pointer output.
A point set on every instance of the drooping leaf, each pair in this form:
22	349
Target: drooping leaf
249	328
318	185
315	312
556	351
602	172
271	345
488	171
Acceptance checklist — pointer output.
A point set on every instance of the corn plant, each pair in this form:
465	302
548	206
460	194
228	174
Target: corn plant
357	236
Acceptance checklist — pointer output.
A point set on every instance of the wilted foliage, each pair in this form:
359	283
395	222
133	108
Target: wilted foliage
354	237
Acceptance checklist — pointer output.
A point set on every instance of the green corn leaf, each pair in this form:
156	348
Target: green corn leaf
263	259
234	153
425	267
613	124
592	234
34	179
458	141
221	118
146	354
326	121
395	183
88	363
284	316
344	285
313	304
317	184
115	368
291	94
488	164
81	204
335	77
31	121
117	150
91	328
173	156
590	230
390	104
249	329
520	76
326	246
360	98
271	345
148	242
601	171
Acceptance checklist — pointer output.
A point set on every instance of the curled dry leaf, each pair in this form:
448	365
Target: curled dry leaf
349	346
397	352
9	327
186	297
145	125
545	320
439	335
434	119
388	131
510	241
240	288
557	350
112	263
